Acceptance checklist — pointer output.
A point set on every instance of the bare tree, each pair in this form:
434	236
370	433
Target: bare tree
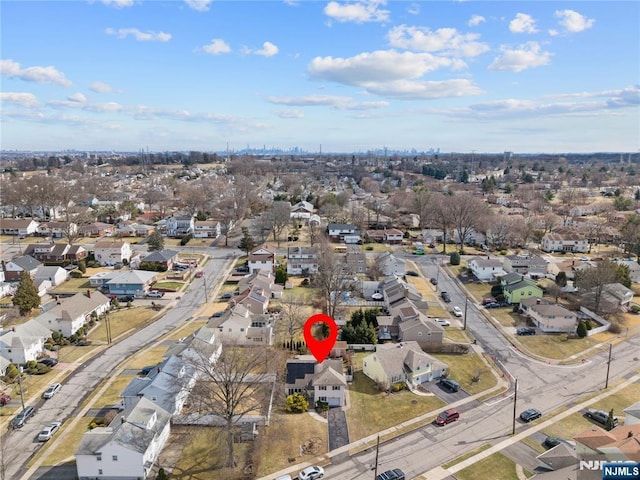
440	215
467	213
421	204
279	215
293	316
591	282
231	388
332	278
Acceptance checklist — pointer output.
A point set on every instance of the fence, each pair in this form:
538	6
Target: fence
596	318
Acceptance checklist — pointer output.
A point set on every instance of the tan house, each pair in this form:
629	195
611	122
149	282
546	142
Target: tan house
109	253
421	330
552	318
262	258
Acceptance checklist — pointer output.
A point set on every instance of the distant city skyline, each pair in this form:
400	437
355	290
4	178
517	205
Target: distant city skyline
359	76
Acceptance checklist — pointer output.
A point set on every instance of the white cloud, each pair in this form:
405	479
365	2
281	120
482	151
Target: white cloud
416	90
198	5
414	9
337	102
289	113
476	20
118	3
216	47
77	97
21	99
573	22
100	87
446	40
523	23
357	12
268	50
139	35
525	56
11	69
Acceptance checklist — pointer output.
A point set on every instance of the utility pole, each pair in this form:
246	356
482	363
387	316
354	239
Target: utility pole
606	383
515	399
206	290
375	470
466	302
20	386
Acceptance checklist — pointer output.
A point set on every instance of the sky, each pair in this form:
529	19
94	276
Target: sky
329	76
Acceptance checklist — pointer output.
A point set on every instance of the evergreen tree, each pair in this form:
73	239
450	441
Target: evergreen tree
561	279
582	329
156	241
247	243
281	275
26	296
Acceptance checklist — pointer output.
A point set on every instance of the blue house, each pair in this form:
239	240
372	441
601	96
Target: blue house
131	282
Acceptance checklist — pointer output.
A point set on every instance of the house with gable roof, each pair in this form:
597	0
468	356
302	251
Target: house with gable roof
550	317
130	282
73	313
13	268
242	327
302	260
516	288
200	348
533	265
54	274
302	210
164	258
262	258
485	268
324	382
401	362
20	227
110	253
128	448
22	343
567	241
207	229
55	253
180	225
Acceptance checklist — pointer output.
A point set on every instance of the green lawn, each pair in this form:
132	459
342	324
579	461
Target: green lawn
121	321
463	368
175	286
73	285
370	409
479	290
556	346
494	467
457	335
463	457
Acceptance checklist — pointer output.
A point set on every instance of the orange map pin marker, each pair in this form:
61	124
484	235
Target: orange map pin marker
320	348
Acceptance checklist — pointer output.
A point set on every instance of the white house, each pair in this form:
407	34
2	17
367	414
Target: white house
564	242
128	448
57	229
320	382
207	229
72	313
22	343
343	232
486	269
302	210
302	260
551	318
56	275
262	258
180	225
109	253
21	227
390	265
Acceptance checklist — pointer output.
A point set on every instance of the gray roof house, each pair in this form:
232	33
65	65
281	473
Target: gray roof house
72	313
13	268
318	381
22	343
128	448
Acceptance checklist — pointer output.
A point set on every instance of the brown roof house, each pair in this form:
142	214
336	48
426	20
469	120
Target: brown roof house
262	258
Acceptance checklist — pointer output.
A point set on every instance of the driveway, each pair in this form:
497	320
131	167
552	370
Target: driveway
338	430
435	388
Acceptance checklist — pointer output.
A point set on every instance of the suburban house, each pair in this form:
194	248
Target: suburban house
515	291
564	242
320	382
207	229
13	268
22	343
532	265
620	444
72	313
56	275
128	448
110	253
180	225
341	232
262	258
57	229
471	237
240	326
391	236
130	282
302	260
634	269
485	268
263	279
549	317
200	348
390	265
56	253
164	259
19	227
97	229
132	229
255	299
355	262
401	362
302	210
632	414
419	329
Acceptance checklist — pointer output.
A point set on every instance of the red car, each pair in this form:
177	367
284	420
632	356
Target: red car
448	416
4	399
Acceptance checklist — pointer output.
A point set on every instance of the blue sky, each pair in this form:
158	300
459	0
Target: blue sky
543	76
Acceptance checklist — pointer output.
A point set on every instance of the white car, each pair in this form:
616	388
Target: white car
443	322
311	473
456	311
155	294
377	296
48	431
52	390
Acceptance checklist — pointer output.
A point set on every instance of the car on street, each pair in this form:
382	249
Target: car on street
48	431
155	294
217	315
448	416
456	311
311	473
52	390
22	417
551	442
199	274
377	296
530	415
411	273
49	362
443	322
449	384
395	474
600	416
434	281
526	331
445	296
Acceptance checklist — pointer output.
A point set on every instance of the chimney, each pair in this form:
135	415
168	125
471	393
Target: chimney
88	293
630	434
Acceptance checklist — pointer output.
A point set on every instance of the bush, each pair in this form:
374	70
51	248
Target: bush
296	403
186	239
12	371
582	329
615	328
635	309
75	274
305	283
396	387
454	258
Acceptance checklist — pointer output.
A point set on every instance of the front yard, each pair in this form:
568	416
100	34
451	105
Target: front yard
121	321
469	371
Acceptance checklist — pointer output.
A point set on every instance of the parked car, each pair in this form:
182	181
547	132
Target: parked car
449	384
411	273
600	416
434	280
4	399
377	296
418	252
155	294
551	442
52	390
456	311
217	315
443	322
284	477
49	362
178	267
242	268
526	331
395	474
311	473
493	305
22	417
48	431
488	300
447	416
226	296
445	296
530	415
199	274
147	370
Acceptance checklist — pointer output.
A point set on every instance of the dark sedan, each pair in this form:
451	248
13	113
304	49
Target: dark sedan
530	415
